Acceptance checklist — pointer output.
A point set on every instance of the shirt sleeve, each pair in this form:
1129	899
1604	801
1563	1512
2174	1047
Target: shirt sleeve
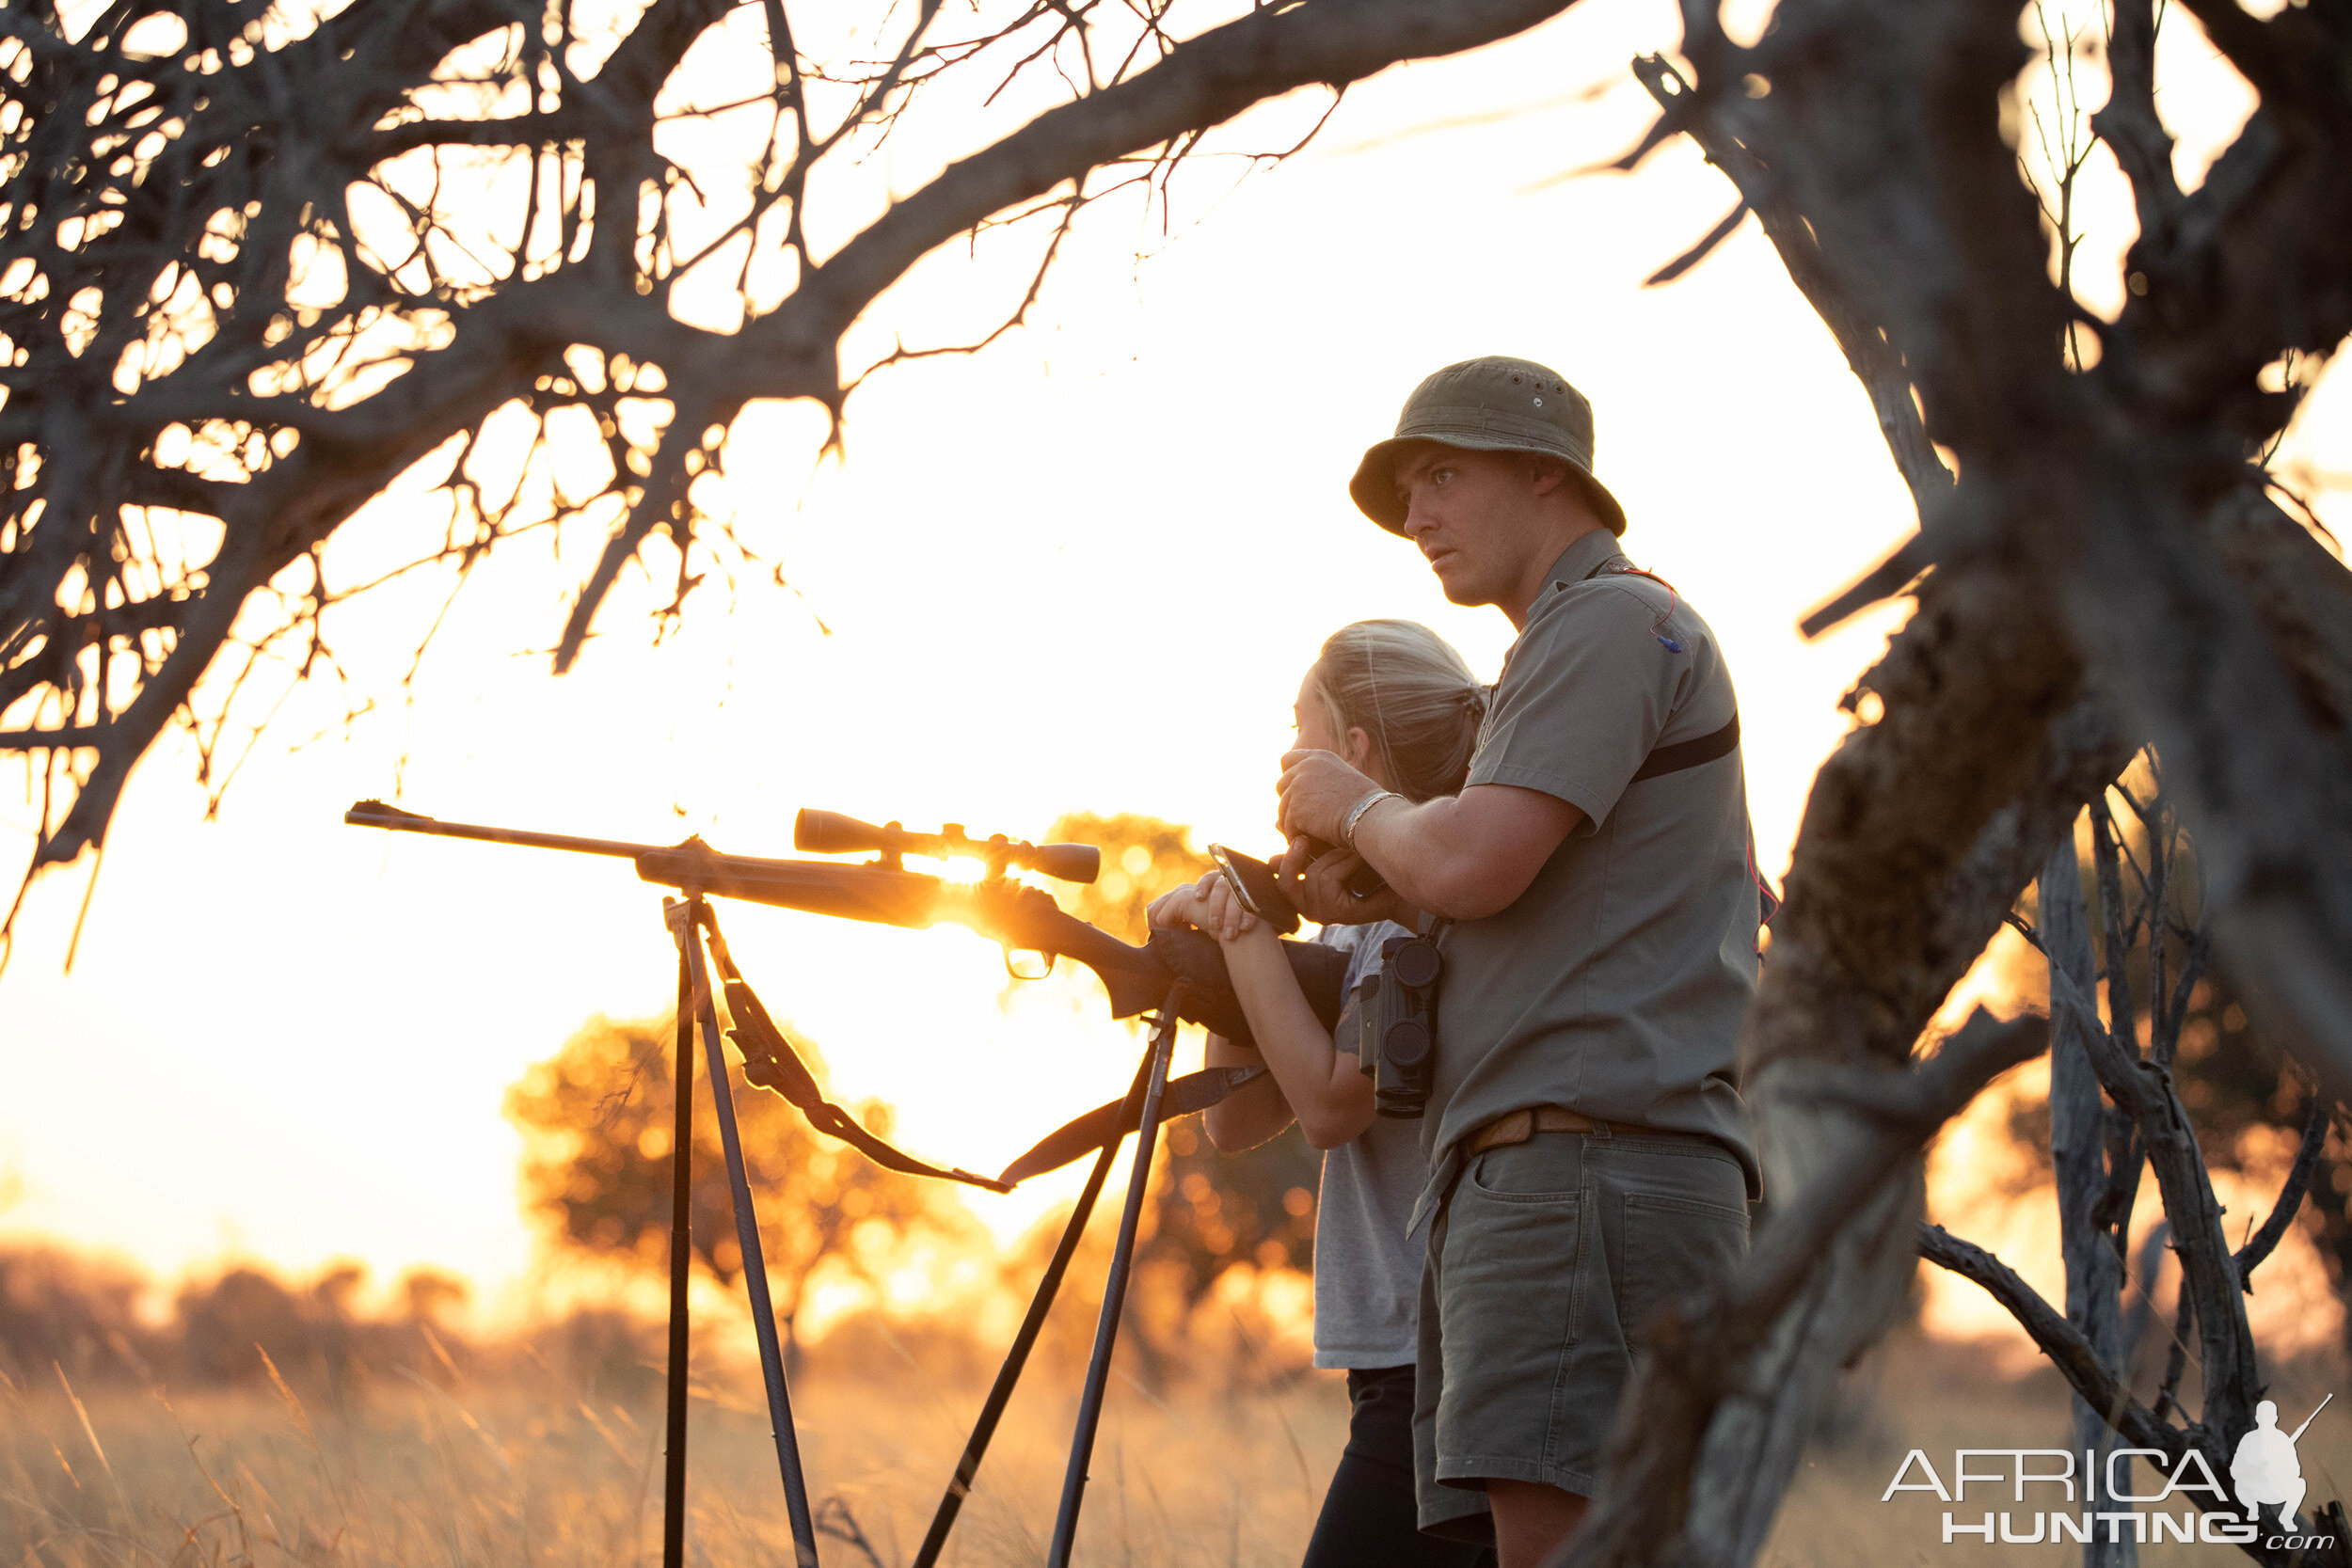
1361	943
1587	691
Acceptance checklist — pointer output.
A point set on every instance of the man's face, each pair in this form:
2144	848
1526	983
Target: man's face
1469	513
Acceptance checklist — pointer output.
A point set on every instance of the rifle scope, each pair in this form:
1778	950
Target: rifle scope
829	833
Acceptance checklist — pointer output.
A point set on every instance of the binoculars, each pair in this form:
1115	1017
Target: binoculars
1396	1013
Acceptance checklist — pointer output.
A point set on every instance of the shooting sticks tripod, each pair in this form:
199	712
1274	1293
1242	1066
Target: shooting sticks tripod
692	924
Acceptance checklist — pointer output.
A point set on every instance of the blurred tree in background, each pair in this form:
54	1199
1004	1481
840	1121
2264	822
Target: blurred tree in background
595	1119
1142	857
430	1294
79	1314
77	1318
1219	1210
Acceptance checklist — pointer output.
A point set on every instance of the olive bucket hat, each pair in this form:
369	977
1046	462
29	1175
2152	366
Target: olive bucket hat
1494	403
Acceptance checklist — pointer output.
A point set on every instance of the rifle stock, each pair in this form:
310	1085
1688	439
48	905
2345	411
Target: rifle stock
1026	919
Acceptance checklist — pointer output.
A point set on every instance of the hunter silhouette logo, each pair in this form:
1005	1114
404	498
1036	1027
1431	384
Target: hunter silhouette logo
2139	1497
2265	1471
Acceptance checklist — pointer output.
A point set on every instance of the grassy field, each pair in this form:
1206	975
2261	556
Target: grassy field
522	1471
400	1467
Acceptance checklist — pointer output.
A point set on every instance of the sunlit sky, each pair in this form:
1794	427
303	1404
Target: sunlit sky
1082	570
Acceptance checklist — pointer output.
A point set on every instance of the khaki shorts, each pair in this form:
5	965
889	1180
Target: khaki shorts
1545	1262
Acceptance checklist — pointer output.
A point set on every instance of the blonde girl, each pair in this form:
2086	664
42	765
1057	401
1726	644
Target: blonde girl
1399	704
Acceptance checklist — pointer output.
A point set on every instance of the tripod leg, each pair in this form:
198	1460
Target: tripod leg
755	1263
1015	1359
681	1255
1114	1295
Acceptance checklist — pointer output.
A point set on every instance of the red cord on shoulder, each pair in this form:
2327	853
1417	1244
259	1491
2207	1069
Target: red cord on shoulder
1673	598
1768	902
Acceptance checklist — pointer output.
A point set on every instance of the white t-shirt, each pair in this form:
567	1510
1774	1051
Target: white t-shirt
1367	1271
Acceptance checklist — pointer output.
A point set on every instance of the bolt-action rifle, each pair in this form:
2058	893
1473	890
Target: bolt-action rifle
1180	974
1021	918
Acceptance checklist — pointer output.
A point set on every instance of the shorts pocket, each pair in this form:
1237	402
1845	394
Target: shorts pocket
1674	1247
1513	1266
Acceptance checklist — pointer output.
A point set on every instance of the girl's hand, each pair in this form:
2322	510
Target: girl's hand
1222	914
1207	906
1176	909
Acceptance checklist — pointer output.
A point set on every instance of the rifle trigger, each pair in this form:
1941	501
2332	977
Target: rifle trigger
1019	971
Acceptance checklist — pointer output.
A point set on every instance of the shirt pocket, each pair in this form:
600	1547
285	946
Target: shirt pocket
1674	1247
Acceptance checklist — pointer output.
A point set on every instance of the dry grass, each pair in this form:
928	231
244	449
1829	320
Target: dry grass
529	1471
422	1476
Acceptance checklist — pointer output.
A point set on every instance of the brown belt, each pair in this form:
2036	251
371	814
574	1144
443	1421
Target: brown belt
1520	1126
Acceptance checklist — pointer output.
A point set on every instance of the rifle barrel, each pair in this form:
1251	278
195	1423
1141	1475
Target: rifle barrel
1019	916
375	814
871	893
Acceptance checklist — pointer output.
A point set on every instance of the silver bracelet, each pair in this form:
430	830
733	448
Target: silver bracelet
1347	828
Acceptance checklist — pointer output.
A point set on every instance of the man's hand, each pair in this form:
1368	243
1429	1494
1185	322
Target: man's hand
1317	889
1316	790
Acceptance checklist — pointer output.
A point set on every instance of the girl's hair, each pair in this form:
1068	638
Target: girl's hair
1411	693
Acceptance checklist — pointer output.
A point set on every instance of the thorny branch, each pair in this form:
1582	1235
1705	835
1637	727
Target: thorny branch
256	265
2059	1340
2298	1181
2145	921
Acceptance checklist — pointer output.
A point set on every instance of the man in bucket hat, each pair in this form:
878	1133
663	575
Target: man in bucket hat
1592	884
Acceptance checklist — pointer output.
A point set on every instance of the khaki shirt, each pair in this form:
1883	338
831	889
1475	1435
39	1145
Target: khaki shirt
1614	985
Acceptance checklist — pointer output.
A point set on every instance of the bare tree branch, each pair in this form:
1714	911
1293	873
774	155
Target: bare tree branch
2091	1234
2094	1382
263	303
2208	1269
2274	1229
2130	124
1873	360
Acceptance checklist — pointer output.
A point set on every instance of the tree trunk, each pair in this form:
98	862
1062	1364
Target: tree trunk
2078	1148
1760	1430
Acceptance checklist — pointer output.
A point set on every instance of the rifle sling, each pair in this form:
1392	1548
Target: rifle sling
783	1066
772	1063
769	1061
1115	1119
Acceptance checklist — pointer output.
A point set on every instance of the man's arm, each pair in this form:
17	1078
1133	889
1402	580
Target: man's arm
1463	856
